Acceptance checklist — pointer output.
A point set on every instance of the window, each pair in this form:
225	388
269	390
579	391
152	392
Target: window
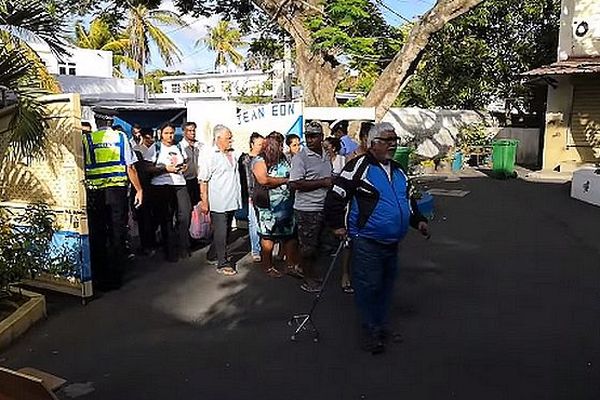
67	68
175	88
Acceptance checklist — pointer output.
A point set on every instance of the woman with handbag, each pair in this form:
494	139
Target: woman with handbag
274	201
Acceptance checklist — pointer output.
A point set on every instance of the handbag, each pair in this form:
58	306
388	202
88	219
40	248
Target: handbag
200	227
260	196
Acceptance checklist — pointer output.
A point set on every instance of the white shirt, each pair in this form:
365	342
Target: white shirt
338	164
223	177
388	169
168	155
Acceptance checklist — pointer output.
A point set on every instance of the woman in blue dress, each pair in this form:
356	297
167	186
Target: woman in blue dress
275	211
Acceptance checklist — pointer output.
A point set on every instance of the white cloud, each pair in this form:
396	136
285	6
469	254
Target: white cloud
195	58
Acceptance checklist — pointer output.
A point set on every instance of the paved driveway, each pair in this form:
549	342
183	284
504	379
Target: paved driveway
502	303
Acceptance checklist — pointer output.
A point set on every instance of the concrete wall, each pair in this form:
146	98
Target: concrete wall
528	149
87	62
98	89
433	130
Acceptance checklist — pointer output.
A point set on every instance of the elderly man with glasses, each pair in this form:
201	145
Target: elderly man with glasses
377	192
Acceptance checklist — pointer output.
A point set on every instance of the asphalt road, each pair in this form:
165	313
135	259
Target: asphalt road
501	303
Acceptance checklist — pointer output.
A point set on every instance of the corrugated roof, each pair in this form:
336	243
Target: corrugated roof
568	67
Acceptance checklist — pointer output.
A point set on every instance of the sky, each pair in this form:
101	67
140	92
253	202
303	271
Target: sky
197	58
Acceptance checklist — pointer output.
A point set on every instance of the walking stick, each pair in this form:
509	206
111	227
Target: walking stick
304	322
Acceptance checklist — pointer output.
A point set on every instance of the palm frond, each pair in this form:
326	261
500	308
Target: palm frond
33	20
166	17
167	49
28	121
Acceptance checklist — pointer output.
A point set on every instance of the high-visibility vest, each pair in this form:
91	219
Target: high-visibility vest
105	159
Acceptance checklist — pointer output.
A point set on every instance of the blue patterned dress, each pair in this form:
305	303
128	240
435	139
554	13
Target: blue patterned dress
277	221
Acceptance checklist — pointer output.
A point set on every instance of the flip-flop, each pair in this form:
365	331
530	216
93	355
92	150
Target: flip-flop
273	273
227	271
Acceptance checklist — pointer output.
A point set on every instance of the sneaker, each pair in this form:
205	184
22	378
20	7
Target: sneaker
212	262
256	258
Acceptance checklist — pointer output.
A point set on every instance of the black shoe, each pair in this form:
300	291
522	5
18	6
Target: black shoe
387	336
372	343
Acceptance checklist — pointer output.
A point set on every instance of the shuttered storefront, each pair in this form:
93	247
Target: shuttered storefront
585	117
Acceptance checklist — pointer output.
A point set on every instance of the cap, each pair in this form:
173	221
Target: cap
313	128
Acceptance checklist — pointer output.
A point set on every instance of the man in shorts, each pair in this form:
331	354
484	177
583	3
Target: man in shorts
310	177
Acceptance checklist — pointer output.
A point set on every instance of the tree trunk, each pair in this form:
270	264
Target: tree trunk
398	72
319	73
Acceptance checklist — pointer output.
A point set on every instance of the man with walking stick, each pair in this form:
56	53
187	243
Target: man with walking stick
380	213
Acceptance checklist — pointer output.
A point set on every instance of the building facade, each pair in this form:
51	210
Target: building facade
572	134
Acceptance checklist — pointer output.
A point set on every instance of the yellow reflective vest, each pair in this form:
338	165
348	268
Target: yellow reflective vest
105	159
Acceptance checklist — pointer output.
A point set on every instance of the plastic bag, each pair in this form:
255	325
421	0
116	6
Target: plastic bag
200	224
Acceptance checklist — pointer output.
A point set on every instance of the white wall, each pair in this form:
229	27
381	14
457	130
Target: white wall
207	114
87	62
528	148
433	129
573	13
98	89
219	85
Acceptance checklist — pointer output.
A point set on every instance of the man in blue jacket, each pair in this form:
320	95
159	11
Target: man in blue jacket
377	193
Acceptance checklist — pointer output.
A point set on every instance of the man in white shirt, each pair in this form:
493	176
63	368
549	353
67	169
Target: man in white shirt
220	193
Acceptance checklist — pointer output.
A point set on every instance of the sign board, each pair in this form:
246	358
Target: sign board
285	118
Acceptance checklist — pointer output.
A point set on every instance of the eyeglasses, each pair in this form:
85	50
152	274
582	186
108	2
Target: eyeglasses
388	140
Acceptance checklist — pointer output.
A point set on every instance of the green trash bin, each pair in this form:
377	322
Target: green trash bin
401	157
504	155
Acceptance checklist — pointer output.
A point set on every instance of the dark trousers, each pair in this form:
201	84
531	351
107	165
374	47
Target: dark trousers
173	211
221	223
193	188
144	216
107	226
374	270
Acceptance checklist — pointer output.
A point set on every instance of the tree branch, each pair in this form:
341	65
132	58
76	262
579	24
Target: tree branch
396	75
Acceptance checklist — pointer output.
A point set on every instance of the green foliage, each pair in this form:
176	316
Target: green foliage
473	135
25	242
355	29
152	79
225	40
23	77
478	57
101	36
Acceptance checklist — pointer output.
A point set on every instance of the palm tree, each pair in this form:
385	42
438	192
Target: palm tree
23	77
143	28
225	41
100	37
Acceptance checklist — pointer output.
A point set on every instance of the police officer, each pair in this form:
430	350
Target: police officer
109	166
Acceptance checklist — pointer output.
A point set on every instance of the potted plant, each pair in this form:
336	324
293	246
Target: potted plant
25	251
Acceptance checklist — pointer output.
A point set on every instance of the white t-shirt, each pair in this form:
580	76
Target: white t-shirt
338	164
388	169
168	155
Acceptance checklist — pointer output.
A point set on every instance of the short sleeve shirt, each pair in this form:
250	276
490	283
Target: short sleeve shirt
348	146
167	155
222	173
308	165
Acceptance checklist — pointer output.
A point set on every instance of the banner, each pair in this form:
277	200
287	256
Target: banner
285	118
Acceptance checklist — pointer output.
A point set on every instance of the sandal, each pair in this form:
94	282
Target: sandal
310	288
273	273
227	271
295	271
347	288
